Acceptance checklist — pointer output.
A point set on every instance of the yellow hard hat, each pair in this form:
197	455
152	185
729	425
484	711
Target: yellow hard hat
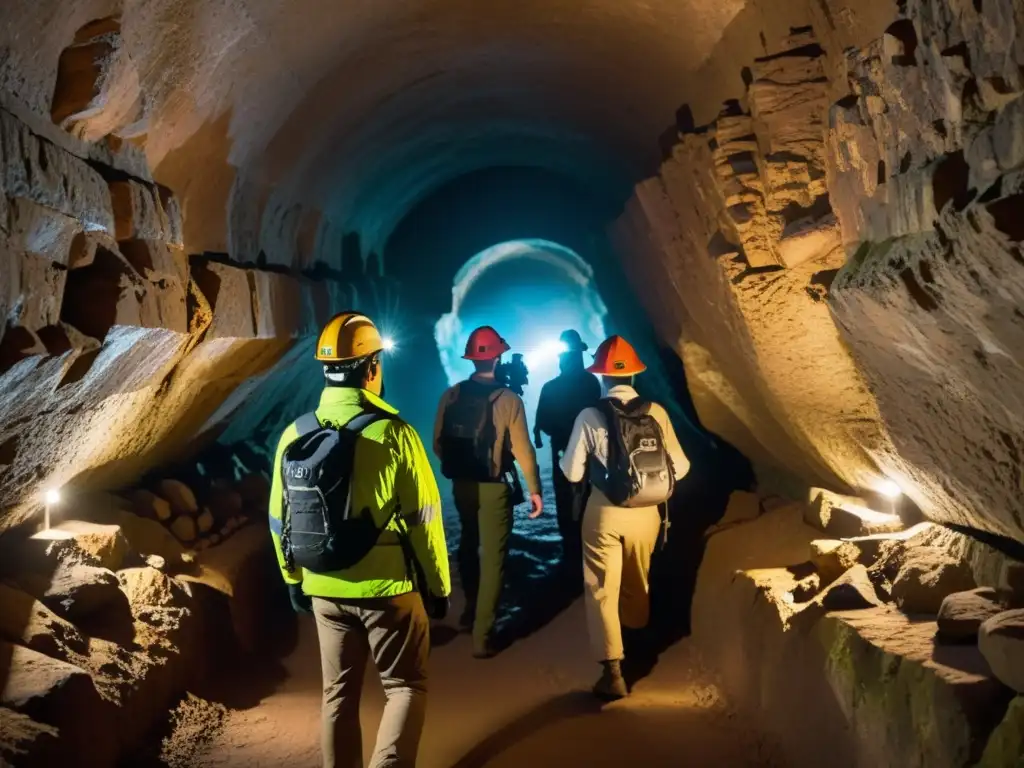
348	336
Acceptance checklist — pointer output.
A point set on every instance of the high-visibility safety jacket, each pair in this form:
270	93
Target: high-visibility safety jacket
391	467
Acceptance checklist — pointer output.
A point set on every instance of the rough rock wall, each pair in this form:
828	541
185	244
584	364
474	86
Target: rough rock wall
836	258
118	350
740	228
927	164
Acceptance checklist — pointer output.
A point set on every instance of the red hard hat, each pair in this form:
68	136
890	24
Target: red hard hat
485	344
616	357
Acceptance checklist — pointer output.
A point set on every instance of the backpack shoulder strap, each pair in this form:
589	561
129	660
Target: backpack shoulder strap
363	420
637	407
306	423
606	408
610	409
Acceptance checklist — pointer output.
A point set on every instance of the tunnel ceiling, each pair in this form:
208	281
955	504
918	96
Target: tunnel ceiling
360	109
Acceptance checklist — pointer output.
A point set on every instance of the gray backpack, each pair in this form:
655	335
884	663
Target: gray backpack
322	531
639	472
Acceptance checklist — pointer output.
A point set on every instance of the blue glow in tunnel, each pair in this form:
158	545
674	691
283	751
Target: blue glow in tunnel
531	319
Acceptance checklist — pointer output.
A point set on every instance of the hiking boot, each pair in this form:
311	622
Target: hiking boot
485	650
611	686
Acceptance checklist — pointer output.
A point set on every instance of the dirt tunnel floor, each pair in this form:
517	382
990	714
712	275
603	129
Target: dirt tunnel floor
528	706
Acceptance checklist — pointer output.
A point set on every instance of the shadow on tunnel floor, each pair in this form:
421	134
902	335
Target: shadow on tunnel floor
552	712
550	595
245	673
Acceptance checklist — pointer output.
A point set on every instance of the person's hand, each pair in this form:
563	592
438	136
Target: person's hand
537	506
437	607
301	602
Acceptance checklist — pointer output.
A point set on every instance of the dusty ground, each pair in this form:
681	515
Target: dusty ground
194	723
528	706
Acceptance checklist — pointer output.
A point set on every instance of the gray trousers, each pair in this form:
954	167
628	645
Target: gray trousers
395	631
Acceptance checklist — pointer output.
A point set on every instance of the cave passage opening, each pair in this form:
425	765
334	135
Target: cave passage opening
530	291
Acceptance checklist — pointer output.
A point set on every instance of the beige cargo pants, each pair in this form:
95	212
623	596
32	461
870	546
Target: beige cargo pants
617	548
396	632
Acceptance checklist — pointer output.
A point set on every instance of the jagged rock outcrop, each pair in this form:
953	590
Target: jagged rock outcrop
56	694
832	558
75	591
97	90
836	261
760	350
108	673
843	517
117	349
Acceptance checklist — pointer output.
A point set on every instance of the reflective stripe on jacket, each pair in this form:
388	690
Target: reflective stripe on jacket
391	467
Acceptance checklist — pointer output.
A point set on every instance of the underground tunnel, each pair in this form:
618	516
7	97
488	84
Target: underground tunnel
804	215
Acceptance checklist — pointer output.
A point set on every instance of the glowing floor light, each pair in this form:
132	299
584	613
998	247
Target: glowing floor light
890	489
51	498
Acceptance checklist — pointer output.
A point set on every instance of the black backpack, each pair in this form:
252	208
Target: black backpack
321	531
468	434
639	472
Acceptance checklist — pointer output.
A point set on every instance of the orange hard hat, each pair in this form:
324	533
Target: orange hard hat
616	357
485	344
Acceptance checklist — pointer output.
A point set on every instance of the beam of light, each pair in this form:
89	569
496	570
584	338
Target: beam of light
389	344
52	496
549	350
890	489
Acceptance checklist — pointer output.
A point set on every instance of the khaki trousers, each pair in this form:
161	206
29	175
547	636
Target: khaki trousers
396	632
617	548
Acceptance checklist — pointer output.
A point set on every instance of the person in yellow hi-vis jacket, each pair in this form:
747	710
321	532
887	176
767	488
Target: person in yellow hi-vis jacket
355	519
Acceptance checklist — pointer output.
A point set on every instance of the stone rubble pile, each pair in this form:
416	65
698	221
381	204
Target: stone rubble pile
904	647
198	524
105	622
205	502
920	571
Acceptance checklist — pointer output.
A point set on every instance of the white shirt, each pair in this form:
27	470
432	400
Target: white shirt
589	440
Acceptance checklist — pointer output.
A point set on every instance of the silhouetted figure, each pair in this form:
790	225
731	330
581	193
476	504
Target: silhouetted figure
561	401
